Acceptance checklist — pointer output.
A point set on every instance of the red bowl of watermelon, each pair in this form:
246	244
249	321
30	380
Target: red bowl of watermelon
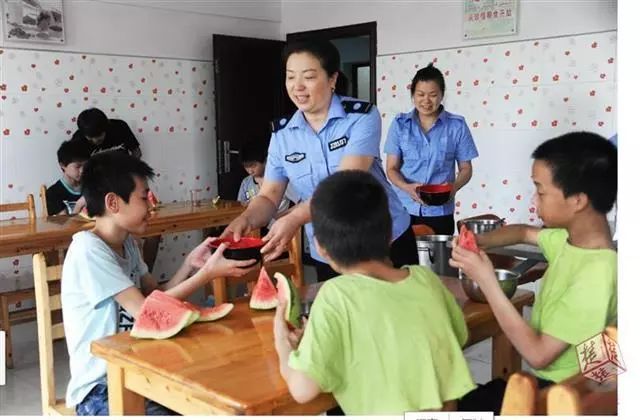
434	194
246	248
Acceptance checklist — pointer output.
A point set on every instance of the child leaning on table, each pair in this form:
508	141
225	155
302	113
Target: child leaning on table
382	340
104	279
575	177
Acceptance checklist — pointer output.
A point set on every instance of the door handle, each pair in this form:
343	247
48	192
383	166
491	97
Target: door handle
227	151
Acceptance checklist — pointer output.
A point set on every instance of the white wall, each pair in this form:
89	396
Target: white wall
170	29
417	26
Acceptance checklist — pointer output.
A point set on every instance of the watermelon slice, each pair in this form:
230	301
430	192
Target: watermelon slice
215	313
467	240
287	292
194	309
204	314
161	316
265	294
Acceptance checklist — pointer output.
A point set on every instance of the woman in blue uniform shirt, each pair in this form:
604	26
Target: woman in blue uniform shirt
326	134
423	146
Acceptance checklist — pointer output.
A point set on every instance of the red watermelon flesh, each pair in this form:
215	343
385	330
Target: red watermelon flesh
467	240
161	316
215	313
152	199
264	294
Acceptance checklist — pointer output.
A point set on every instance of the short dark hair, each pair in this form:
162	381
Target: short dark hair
324	51
350	216
92	122
583	162
254	151
73	151
114	172
427	74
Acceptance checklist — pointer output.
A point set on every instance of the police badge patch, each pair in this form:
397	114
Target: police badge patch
295	157
338	143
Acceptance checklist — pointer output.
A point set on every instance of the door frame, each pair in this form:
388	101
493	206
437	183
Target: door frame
348	31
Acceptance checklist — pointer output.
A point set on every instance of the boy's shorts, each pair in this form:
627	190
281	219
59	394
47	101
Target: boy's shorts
96	403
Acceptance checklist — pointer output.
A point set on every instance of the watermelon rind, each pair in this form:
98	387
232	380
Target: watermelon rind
195	312
264	295
293	309
153	313
159	305
215	313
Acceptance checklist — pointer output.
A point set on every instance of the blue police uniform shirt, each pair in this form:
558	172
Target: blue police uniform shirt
429	158
302	157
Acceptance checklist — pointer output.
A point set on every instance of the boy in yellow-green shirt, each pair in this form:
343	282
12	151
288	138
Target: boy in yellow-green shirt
382	340
575	176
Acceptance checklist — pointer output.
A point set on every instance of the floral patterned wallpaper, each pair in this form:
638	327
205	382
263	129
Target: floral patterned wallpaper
167	103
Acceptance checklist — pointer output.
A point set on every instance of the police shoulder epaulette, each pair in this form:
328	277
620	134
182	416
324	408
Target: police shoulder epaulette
360	107
279	123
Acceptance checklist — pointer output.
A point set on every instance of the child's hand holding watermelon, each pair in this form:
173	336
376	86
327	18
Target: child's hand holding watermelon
472	260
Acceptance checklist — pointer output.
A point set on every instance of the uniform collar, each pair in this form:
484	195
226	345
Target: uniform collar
336	110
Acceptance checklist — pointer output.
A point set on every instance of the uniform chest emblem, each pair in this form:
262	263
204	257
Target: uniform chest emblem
339	143
295	157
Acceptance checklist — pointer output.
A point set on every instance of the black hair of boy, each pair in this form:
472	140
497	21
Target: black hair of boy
73	151
324	51
428	74
111	172
583	162
350	216
254	151
92	122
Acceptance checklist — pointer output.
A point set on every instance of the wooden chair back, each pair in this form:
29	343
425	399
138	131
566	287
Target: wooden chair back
43	200
520	396
290	266
28	206
48	300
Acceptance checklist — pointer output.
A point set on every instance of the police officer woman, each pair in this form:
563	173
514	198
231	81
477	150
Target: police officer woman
423	146
326	134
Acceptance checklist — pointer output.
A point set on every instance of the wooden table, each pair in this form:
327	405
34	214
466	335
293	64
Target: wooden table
231	367
24	236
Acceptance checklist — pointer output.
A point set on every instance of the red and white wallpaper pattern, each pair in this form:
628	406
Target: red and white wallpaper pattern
167	103
513	96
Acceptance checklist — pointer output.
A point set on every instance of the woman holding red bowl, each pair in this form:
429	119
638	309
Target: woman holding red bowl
423	147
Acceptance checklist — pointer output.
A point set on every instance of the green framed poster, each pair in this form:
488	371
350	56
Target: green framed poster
487	18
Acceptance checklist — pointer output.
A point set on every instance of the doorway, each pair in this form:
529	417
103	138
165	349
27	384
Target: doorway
358	49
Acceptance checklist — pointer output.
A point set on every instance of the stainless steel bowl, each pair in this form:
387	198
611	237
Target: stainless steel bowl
508	281
479	226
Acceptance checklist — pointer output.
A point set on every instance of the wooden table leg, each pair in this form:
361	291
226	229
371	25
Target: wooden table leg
122	401
505	359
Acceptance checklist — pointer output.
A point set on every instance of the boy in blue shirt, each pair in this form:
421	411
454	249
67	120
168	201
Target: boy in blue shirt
104	280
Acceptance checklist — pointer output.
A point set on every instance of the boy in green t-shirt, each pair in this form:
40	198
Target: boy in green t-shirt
382	340
575	176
